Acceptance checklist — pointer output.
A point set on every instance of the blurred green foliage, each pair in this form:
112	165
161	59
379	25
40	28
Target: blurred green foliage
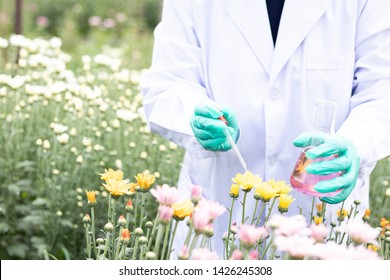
30	195
89	25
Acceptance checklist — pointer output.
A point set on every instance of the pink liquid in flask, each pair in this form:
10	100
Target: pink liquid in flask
305	182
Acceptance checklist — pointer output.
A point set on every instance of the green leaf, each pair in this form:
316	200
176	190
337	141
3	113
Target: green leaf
4	227
17	250
66	223
26	166
40	202
14	189
32	220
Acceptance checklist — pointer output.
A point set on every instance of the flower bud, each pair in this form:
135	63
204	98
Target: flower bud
138	231
122	221
125	236
150	255
100	241
143	240
208	231
109	227
86	219
129	206
234	229
149	224
357	202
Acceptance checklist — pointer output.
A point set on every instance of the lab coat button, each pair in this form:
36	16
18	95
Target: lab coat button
272	160
275	93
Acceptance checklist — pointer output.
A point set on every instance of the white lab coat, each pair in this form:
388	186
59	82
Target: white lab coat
222	51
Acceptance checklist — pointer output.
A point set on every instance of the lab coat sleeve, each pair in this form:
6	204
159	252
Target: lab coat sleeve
368	124
174	84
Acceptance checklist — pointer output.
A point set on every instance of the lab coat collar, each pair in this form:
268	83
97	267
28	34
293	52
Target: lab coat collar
251	18
298	18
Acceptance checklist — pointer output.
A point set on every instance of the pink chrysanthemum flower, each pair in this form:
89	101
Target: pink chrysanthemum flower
319	232
249	235
165	213
296	246
237	255
165	195
361	232
203	254
196	193
288	225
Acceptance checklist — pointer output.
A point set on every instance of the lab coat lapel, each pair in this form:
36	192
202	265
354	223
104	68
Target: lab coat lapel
298	18
251	18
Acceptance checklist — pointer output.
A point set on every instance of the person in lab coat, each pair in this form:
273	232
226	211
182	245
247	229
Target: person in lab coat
214	58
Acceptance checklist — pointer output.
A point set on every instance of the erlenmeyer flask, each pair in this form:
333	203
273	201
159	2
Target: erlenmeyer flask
323	123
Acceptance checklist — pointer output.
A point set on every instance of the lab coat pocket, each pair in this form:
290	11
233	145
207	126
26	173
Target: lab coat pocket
330	78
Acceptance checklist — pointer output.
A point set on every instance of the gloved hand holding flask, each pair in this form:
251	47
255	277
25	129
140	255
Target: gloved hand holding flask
329	164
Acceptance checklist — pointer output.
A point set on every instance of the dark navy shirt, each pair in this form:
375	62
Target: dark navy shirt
275	8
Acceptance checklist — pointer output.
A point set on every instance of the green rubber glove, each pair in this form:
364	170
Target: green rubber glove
209	130
347	162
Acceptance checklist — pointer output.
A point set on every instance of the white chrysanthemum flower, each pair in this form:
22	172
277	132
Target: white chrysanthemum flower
63	138
16	82
3	43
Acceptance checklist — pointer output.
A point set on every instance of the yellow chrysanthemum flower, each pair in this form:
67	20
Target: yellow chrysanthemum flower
284	202
182	209
265	192
91	196
132	187
247	181
317	220
234	190
342	214
280	186
117	188
319	207
372	248
111	174
145	181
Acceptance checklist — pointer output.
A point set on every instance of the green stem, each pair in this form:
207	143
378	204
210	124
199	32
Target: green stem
109	209
141	218
118	247
312	209
254	212
142	254
243	208
266	248
189	233
172	238
323	210
123	252
341	213
160	235
128	220
137	207
261	213
270	209
193	243
87	240
230	224
166	236
106	245
93	231
232	247
153	233
135	249
113	223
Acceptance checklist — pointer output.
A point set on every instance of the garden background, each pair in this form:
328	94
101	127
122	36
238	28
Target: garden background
55	139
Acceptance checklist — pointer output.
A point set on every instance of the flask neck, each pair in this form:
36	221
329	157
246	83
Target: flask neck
324	117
